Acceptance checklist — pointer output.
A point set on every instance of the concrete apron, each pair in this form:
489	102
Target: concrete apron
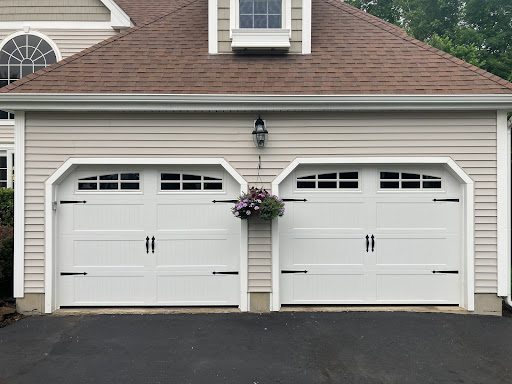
195	310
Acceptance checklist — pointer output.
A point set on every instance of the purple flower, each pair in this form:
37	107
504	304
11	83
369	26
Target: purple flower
256	208
248	213
237	213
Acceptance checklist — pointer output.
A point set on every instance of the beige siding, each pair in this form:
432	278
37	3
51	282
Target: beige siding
6	134
224	27
296	39
260	256
53	10
71	41
469	138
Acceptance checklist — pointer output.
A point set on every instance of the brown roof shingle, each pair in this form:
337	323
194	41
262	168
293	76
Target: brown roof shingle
143	11
352	53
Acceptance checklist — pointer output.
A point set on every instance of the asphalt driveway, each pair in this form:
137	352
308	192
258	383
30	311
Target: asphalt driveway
356	347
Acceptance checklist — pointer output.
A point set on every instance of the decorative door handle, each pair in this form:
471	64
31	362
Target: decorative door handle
153	244
147	244
373	243
367	243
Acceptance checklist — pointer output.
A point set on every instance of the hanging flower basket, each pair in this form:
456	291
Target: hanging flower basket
258	202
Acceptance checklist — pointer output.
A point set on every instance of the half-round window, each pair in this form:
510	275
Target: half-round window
21	56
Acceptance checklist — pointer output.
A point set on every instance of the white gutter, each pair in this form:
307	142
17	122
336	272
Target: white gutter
207	103
509	181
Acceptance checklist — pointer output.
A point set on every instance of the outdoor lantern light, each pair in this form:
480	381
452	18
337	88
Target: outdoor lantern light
260	133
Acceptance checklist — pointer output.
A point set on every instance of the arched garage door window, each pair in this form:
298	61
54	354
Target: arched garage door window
21	56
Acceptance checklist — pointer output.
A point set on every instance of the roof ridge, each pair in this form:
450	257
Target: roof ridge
391	28
87	51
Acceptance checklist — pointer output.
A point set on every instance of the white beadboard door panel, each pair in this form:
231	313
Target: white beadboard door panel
326	257
106	237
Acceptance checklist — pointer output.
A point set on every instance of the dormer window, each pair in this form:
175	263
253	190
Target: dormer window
261	25
261	13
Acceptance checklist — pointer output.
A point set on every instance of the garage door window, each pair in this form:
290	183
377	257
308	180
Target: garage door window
189	182
406	180
110	182
334	180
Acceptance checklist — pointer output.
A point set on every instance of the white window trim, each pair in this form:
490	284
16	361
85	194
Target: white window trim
49	221
243	38
181	181
52	44
9	151
118	191
46	38
337	180
467	268
234	16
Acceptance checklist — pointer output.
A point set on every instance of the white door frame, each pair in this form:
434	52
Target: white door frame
65	169
468	268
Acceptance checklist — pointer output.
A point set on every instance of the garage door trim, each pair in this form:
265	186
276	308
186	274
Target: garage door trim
467	270
70	165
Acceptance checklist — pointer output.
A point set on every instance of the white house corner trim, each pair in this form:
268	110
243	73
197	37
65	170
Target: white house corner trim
468	275
19	205
213	27
306	27
503	203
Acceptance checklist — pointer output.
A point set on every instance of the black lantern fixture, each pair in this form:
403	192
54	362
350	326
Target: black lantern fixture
260	134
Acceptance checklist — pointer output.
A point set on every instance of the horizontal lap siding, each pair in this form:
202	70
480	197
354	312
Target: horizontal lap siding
6	134
54	10
70	41
469	138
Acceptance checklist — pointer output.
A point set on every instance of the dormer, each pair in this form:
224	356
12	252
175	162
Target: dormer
245	26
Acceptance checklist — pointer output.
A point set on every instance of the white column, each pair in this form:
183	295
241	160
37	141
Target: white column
19	204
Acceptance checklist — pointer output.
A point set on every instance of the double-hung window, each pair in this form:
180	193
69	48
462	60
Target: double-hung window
261	13
260	24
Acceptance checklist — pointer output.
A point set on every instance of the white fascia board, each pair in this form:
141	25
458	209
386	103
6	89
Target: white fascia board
194	103
118	17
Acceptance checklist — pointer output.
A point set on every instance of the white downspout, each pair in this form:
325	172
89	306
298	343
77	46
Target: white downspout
509	227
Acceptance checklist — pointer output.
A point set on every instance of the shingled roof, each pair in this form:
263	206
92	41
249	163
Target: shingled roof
143	11
352	53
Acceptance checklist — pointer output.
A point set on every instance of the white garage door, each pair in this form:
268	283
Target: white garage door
368	235
147	236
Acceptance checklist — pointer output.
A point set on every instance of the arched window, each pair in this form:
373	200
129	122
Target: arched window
21	56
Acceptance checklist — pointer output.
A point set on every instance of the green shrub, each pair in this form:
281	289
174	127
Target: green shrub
6	233
6	206
6	252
